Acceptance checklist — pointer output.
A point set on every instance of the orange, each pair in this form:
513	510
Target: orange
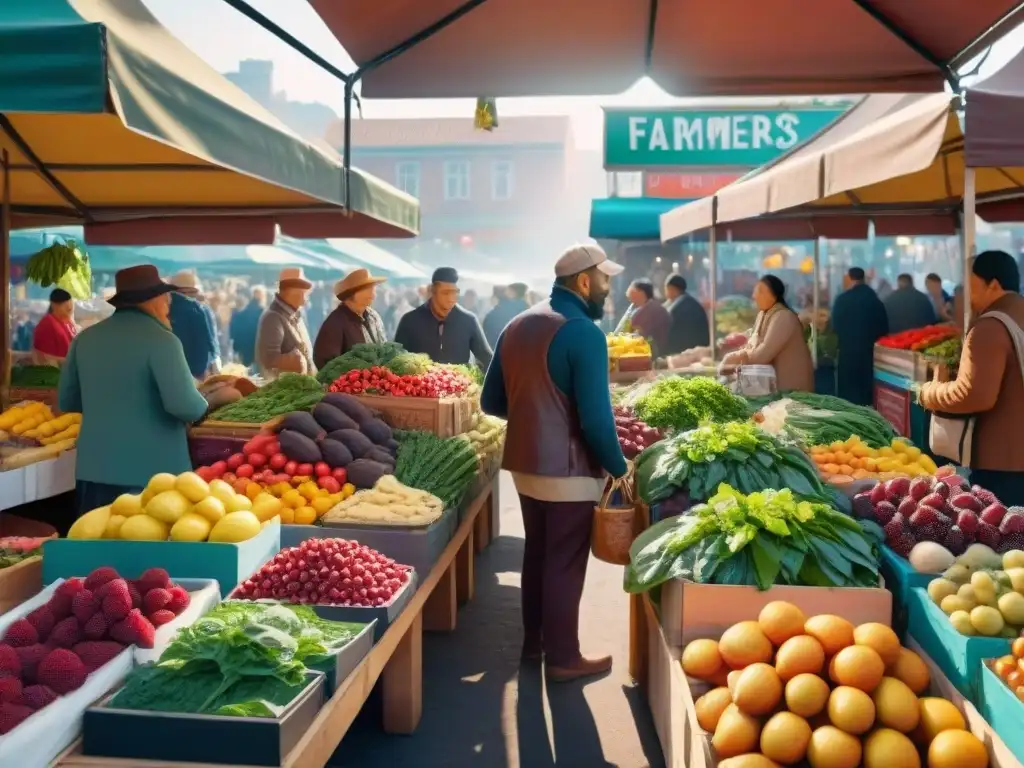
287	515
322	505
305	516
293	499
252	490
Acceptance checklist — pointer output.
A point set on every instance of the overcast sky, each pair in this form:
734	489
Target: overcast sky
223	37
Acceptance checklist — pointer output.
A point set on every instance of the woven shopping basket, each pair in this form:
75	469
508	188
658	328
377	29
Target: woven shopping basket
616	522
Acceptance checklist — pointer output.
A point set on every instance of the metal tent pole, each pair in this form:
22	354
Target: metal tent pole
713	272
815	300
968	245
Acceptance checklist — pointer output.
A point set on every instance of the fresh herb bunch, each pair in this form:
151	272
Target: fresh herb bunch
683	402
409	364
359	357
760	539
288	392
946	352
737	453
443	466
44	376
815	419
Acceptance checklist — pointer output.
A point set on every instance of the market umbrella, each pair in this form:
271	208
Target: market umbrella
472	48
110	121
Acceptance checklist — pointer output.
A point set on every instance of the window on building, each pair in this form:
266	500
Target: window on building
502	180
456	180
407	176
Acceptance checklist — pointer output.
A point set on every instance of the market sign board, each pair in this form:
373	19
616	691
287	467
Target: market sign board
638	139
686	186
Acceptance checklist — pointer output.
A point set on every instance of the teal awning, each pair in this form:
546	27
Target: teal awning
629	218
360	253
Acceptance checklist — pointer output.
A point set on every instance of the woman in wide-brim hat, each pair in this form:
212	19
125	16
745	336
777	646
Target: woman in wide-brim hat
354	321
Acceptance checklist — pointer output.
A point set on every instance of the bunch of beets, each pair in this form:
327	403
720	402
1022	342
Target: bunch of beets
327	572
634	435
437	382
85	624
942	509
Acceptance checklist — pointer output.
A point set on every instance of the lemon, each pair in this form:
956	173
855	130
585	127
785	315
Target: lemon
190	527
235	527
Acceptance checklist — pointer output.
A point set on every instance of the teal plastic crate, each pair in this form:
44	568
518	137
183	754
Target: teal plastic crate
958	656
1003	711
900	578
228	564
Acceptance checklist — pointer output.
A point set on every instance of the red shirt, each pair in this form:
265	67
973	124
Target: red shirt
53	336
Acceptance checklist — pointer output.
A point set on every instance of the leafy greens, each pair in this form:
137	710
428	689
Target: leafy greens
759	539
683	402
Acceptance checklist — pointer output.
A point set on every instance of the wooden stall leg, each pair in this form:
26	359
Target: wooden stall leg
482	525
465	572
441	609
402	682
637	640
496	506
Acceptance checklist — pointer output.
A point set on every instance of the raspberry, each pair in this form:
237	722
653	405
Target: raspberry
42	619
10	690
10	663
96	627
156	599
1011	523
895	527
30	656
1011	541
987	535
955	541
62	671
179	599
934	532
60	603
118	601
84	606
100	576
134	629
984	495
97	653
66	633
903	544
153	578
884	512
12	715
21	633
36	697
967	521
161	617
925	516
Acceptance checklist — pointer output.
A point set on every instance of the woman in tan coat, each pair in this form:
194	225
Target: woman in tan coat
777	340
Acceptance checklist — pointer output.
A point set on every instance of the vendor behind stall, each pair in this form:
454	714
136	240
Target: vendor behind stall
689	320
777	339
353	321
128	377
52	337
282	339
859	320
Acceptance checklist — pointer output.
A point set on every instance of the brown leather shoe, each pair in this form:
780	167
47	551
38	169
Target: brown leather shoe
582	668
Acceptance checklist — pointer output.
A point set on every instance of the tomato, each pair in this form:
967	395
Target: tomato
306	470
219	468
236	460
206	473
291	467
229	477
340	474
278	461
241	484
271	448
329	484
244	471
257	459
321	468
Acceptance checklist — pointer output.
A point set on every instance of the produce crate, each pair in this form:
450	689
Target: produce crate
342	664
204	450
46	395
418	547
175	737
688	608
903	362
958	656
39	480
1003	712
445	417
228	564
50	731
237	429
900	577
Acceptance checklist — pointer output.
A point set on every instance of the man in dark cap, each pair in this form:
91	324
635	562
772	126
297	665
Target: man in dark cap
128	377
441	329
689	326
989	383
908	308
859	320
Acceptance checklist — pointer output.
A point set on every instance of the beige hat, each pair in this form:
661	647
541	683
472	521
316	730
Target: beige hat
187	282
579	258
293	277
356	279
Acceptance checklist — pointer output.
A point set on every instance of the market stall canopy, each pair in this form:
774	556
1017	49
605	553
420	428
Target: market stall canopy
112	122
895	160
689	47
370	255
994	116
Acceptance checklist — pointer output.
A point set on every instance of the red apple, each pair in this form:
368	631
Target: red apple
321	468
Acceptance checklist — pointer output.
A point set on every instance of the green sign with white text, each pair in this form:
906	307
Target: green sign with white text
638	139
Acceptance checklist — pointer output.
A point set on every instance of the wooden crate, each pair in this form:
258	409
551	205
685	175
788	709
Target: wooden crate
20	582
445	417
240	429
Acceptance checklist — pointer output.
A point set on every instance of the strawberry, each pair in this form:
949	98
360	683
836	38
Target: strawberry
62	671
94	654
967	521
30	656
10	663
100	576
924	516
898	486
103	590
155	600
984	495
1011	523
933	500
179	599
884	512
907	507
161	617
36	697
154	578
10	689
66	633
84	605
42	619
21	633
895	526
135	594
134	629
919	488
118	601
988	535
60	602
96	627
966	501
903	544
993	514
941	489
12	715
878	493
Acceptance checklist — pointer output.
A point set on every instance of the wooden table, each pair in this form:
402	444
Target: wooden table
397	660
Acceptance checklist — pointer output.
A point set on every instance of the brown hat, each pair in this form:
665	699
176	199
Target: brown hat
356	279
135	285
293	277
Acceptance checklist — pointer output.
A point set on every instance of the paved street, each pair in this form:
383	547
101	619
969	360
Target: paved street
481	711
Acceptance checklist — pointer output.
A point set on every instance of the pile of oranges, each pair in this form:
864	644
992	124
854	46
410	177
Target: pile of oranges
303	502
854	460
